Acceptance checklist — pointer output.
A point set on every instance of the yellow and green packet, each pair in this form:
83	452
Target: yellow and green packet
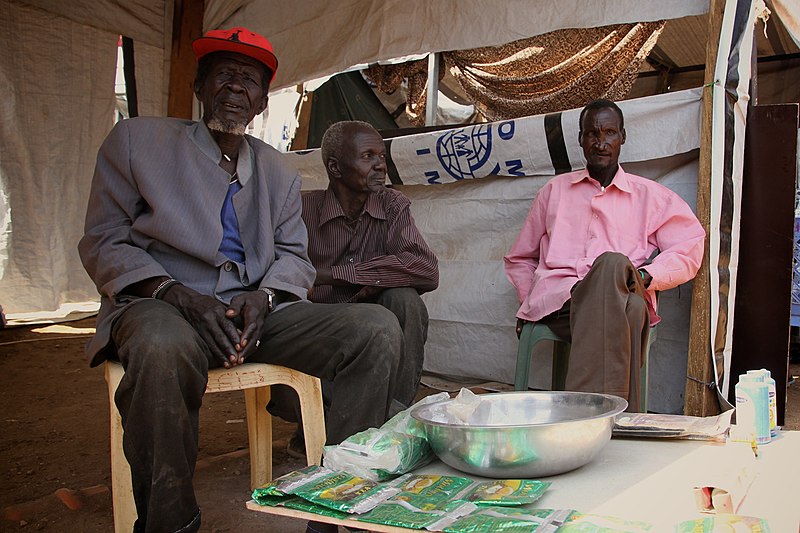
345	492
286	483
505	492
429	492
299	504
731	522
491	519
401	513
269	500
592	523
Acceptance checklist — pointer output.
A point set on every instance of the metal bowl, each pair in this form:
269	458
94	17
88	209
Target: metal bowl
543	434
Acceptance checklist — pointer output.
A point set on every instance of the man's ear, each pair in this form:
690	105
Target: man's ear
332	167
262	104
623	136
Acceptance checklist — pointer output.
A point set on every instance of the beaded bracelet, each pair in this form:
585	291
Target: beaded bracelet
163	286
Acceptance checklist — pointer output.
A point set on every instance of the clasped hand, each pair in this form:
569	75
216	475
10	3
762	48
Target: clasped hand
231	332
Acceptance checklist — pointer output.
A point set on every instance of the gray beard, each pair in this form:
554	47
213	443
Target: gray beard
227	126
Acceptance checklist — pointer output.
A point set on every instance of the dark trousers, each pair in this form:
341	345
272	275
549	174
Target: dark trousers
406	304
356	346
412	315
607	321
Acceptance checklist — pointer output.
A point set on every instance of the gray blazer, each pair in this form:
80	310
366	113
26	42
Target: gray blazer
154	210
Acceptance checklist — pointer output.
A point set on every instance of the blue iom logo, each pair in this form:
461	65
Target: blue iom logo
463	153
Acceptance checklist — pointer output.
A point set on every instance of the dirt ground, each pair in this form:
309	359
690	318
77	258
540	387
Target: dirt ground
54	441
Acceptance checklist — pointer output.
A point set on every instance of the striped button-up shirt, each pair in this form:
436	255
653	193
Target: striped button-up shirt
382	248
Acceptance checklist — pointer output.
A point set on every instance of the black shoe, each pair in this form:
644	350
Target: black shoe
296	447
321	527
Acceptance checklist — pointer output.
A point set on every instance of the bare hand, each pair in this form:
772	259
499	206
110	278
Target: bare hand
249	309
207	315
365	294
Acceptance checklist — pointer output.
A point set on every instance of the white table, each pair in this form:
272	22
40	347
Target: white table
651	480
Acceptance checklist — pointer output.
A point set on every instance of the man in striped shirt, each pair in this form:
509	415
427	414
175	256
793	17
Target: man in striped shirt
364	244
365	247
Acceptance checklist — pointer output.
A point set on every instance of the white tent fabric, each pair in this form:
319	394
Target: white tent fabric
55	113
58	72
788	11
359	32
57	77
521	147
730	98
471	223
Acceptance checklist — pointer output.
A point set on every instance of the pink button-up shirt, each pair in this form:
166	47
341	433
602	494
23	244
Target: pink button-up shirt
573	220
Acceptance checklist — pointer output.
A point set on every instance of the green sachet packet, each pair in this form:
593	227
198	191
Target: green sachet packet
592	523
401	513
268	500
505	492
429	492
299	504
345	492
286	483
730	522
490	519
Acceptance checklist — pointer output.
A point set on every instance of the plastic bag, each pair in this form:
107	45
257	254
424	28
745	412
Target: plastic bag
379	454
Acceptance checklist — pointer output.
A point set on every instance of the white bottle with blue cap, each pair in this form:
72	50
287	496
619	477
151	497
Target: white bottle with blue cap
752	406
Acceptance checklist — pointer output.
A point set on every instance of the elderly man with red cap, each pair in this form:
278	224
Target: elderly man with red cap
194	239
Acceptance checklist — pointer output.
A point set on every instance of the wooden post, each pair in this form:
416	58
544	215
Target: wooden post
187	25
700	400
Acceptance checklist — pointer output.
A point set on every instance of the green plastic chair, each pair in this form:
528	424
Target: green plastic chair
534	332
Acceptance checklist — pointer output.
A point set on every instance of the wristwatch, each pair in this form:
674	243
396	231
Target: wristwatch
270	298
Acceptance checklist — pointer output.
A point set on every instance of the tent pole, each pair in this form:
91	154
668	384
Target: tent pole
187	25
432	98
700	398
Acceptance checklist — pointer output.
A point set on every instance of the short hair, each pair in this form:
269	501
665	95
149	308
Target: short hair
601	103
204	65
335	135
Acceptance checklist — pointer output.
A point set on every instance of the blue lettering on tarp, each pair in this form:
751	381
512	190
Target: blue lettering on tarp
461	152
506	130
513	167
433	176
423	151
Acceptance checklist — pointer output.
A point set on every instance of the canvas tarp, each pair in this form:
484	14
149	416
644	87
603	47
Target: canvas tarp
57	76
470	190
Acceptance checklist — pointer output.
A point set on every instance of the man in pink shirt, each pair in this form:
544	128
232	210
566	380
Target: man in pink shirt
595	247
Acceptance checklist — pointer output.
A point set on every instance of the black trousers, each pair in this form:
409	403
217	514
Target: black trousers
356	346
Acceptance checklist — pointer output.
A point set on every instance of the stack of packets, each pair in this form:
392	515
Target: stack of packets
378	454
713	428
724	523
433	502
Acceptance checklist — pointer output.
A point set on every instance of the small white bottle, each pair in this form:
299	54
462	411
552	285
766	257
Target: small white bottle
766	376
752	406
